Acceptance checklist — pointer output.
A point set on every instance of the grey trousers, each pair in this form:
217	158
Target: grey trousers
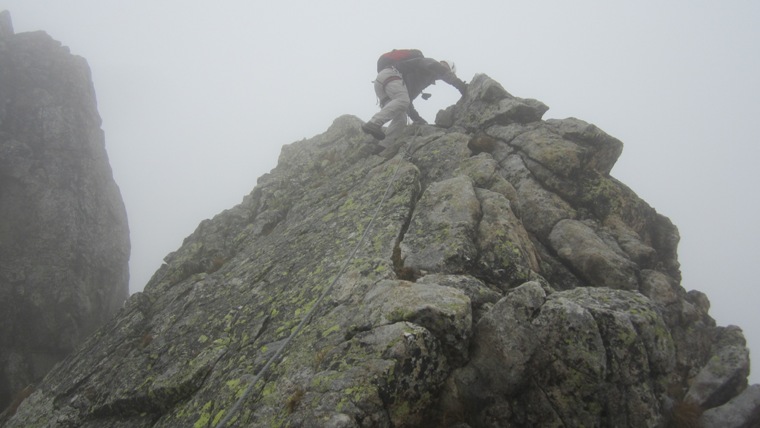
394	110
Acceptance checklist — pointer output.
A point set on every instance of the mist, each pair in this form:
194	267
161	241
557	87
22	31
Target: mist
197	100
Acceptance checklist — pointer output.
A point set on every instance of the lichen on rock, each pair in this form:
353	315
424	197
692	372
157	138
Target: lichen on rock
506	280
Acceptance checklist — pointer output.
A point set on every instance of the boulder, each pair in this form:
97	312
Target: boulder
594	356
743	411
597	262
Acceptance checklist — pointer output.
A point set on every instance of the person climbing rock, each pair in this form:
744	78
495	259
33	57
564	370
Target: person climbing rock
402	76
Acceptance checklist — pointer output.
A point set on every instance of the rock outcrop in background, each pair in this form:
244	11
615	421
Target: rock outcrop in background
64	241
505	280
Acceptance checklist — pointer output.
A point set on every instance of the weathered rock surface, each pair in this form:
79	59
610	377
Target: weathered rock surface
743	411
583	357
64	242
507	280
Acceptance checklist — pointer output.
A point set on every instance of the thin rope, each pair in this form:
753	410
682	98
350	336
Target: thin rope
308	316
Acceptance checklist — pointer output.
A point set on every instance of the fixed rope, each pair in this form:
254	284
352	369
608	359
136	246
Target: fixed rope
324	294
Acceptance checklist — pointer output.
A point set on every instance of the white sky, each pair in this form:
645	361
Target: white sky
197	99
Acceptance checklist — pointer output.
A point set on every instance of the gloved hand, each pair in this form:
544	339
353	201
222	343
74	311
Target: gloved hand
426	96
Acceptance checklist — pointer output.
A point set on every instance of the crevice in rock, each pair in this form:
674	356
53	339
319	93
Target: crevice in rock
550	403
582	279
476	264
524	157
533	177
255	327
607	347
401	271
155	401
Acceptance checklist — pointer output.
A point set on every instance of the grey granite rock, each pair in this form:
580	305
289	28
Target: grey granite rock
506	280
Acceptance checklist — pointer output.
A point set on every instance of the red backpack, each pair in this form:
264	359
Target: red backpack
390	59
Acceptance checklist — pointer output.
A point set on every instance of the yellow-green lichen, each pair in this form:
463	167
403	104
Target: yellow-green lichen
205	415
222	341
218	418
268	390
331	330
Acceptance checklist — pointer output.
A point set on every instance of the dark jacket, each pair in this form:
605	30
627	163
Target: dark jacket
419	73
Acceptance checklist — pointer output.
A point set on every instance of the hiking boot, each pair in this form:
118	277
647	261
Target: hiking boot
373	129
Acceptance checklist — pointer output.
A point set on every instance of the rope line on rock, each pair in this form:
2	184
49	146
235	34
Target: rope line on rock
324	294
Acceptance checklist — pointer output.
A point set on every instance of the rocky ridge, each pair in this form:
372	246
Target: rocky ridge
64	240
506	280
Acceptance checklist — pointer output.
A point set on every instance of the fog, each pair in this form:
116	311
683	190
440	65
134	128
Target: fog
197	99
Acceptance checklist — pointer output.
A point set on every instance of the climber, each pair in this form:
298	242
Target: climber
399	82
